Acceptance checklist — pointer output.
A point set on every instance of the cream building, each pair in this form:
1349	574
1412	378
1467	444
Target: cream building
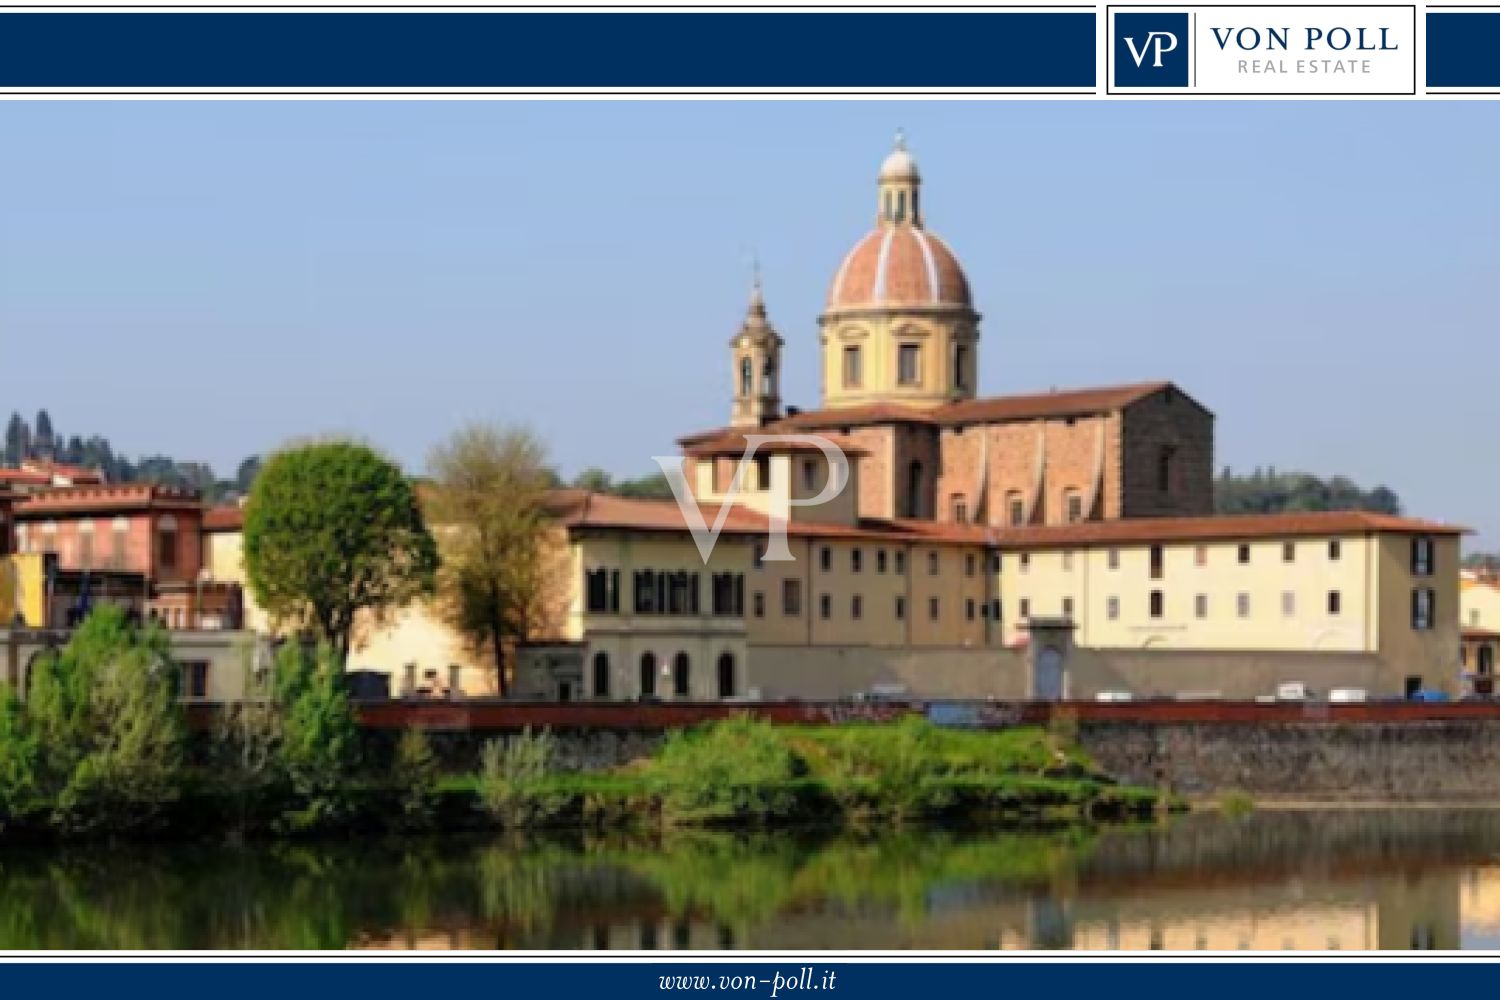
1046	545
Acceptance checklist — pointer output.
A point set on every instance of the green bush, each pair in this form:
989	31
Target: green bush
740	769
416	776
18	761
514	780
319	746
109	734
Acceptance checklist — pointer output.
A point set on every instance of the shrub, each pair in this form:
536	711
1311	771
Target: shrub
109	732
738	769
416	774
18	760
319	746
513	779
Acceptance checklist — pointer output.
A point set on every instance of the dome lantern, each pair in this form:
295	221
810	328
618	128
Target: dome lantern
900	183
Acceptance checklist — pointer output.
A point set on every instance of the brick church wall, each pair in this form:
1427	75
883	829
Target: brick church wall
1166	419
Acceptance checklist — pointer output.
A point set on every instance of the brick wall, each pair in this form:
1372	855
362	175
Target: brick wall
1166	420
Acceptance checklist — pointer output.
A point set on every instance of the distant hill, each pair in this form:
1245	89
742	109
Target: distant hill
1266	491
42	440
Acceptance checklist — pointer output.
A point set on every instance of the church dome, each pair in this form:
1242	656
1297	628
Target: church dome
899	265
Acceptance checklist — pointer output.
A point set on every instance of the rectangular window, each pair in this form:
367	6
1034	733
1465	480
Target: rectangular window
909	364
1017	512
932	564
1158	604
900	561
809	474
1334	550
758	552
728	595
1288	551
856	607
880	560
1334	602
970	564
1025	561
759	603
1288	604
1157	562
994	562
1422	611
900	609
995	608
1200	555
960	509
1242	605
854	375
762	472
1244	555
85	549
825	607
825	559
791	597
1112	608
969	609
1075	508
1421	556
599	598
960	367
1067	607
195	680
856	560
1024	607
932	608
644	585
1114	558
1200	606
1067	559
166	549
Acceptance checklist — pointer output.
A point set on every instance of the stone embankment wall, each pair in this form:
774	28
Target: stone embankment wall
1447	760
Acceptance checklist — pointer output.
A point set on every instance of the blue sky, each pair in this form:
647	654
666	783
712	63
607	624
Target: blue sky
209	279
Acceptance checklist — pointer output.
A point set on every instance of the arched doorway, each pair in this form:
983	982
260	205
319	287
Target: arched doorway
648	674
1048	678
726	675
681	675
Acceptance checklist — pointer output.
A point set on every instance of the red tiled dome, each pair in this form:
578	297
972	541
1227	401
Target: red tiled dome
899	265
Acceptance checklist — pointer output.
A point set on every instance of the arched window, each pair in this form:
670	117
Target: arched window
747	376
166	542
680	675
601	674
648	673
726	675
914	489
768	378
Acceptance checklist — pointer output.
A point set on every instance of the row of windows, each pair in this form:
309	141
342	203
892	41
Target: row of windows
681	675
908	366
166	542
791	605
1156	605
664	593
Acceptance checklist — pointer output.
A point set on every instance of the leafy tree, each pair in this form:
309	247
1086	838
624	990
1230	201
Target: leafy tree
489	488
1270	492
653	487
333	531
416	773
17	440
319	743
18	760
109	732
245	476
594	479
43	441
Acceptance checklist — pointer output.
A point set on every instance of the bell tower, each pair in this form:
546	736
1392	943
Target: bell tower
755	353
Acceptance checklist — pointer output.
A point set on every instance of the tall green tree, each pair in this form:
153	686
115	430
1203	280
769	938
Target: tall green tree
109	731
489	488
17	440
333	531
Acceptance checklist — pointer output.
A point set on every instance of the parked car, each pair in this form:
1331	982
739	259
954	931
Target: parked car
1347	696
1114	696
1294	691
1428	695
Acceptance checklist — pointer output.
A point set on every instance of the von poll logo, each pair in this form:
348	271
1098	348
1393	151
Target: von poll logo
1151	50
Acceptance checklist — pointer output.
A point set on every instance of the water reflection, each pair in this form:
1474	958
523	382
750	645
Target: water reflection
1355	880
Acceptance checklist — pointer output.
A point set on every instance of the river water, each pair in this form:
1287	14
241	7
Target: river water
1288	880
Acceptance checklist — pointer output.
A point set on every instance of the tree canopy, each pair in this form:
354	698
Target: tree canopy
334	530
1270	492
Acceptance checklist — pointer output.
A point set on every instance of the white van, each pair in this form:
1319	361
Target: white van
1348	696
1294	691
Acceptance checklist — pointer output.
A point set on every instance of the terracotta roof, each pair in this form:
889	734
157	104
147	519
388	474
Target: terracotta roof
734	444
902	266
80	499
1221	527
224	518
1474	632
1057	403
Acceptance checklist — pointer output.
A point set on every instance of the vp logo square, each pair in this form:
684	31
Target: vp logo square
1151	50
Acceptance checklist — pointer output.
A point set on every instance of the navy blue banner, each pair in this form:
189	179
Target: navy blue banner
890	51
1463	49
